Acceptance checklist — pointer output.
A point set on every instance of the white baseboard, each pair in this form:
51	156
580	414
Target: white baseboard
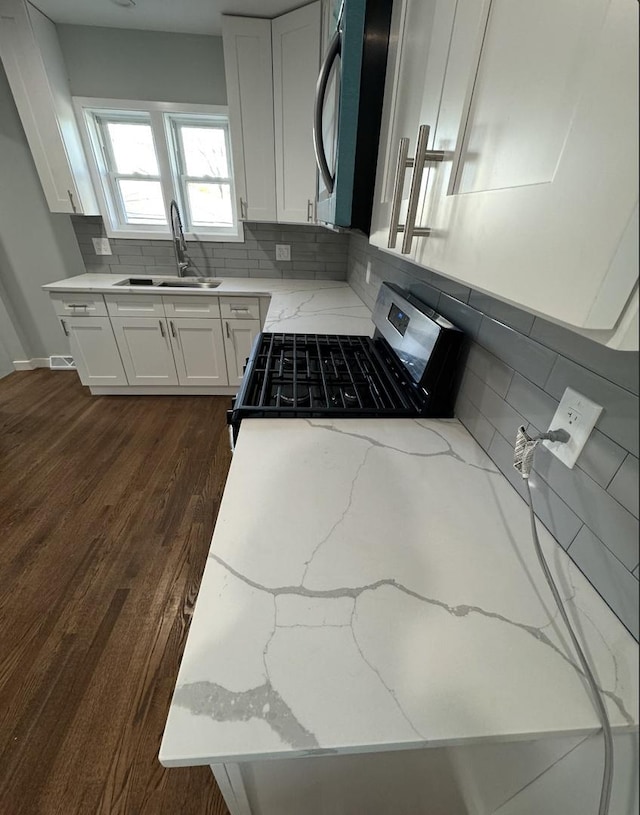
30	364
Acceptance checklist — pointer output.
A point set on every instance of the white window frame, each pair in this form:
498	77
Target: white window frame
159	114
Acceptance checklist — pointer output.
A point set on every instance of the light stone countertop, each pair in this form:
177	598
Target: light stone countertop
372	585
301	306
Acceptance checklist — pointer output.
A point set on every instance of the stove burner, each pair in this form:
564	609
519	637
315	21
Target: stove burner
349	397
301	399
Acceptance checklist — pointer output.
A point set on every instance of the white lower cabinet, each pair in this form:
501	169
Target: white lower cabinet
142	342
198	350
238	339
94	350
145	348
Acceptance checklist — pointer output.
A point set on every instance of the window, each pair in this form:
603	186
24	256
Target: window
143	155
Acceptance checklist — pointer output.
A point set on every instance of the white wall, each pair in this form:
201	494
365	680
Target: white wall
36	247
119	63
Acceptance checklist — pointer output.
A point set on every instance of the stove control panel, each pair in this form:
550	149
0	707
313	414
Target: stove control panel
398	319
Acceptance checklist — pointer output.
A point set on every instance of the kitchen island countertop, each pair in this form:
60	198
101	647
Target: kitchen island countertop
372	586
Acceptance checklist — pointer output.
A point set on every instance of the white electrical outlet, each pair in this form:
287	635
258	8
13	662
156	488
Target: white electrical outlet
367	276
577	415
283	251
101	246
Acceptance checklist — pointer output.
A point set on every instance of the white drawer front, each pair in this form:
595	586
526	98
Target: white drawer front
240	308
72	304
135	305
185	306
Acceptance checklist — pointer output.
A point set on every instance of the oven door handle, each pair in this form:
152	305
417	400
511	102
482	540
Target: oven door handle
333	52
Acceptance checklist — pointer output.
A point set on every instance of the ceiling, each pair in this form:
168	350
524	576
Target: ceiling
185	16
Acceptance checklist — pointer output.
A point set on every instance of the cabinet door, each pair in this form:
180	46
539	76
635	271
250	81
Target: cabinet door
248	70
34	65
238	339
198	350
536	199
296	59
94	350
421	31
145	348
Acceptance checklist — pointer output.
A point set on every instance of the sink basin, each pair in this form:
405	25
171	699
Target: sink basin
171	282
190	283
135	281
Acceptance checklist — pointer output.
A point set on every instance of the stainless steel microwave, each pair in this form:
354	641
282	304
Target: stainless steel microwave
348	110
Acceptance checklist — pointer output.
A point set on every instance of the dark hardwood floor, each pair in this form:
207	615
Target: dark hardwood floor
107	505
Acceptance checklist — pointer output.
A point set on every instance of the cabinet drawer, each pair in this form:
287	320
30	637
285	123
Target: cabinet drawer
134	305
240	308
78	305
185	306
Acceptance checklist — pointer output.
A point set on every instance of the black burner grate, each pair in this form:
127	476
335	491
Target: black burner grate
317	375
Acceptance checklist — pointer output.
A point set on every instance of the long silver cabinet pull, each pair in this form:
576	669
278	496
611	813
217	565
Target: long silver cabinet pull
401	165
78	305
173	330
309	210
73	206
227	329
244	210
64	328
160	323
422	157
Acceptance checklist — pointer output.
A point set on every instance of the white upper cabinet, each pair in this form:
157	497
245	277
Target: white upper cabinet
248	70
296	60
271	68
534	200
34	65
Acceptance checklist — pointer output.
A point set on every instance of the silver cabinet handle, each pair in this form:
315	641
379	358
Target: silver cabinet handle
422	157
161	328
173	329
244	210
73	206
227	330
398	186
64	328
310	210
242	309
78	305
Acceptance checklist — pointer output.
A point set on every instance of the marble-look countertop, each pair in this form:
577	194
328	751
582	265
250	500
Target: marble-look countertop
301	306
372	585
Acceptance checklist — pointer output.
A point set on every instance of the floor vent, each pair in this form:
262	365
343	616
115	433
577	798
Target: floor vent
62	363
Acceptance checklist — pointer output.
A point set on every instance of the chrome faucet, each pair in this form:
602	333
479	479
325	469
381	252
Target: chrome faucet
179	243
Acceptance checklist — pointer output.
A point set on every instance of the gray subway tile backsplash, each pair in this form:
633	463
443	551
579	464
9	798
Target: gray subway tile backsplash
600	458
624	486
490	369
533	403
524	355
617	366
592	509
514	317
618	586
315	252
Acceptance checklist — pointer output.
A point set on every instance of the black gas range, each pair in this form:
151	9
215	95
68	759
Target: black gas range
409	368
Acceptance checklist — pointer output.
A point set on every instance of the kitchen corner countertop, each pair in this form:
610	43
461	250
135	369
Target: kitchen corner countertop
372	585
301	306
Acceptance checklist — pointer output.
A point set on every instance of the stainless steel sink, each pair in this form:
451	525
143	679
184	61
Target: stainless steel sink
171	282
190	283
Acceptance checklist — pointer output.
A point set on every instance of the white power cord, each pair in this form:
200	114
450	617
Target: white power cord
523	462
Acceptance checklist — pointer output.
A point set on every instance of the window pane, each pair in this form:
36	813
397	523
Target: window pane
142	201
210	204
205	151
133	149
